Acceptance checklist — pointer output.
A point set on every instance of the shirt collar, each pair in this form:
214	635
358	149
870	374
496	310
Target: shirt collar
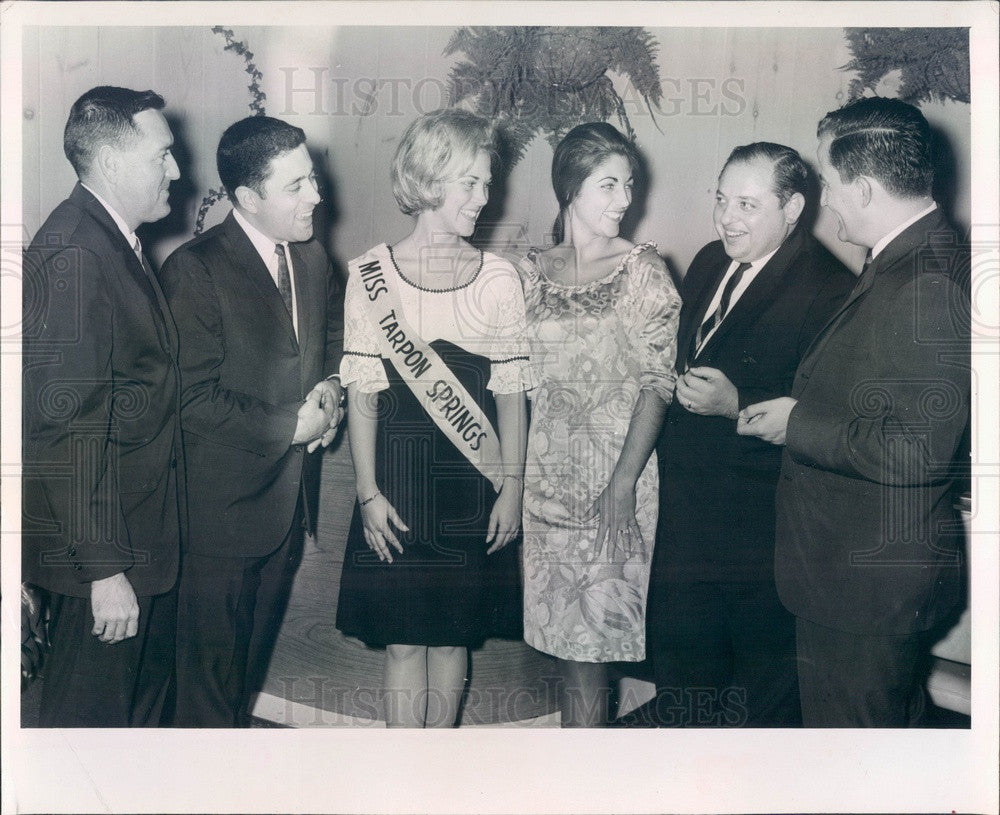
129	234
878	247
263	244
757	265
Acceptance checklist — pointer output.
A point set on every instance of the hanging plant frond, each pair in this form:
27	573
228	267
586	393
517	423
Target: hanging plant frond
546	79
933	62
257	101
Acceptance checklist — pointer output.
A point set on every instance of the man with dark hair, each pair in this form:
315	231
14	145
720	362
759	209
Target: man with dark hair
103	496
256	305
723	647
867	535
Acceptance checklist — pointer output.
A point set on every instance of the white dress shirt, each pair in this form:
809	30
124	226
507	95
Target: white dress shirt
129	234
265	248
748	277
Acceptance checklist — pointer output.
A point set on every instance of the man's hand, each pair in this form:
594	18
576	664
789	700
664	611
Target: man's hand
115	609
766	420
708	392
312	420
330	398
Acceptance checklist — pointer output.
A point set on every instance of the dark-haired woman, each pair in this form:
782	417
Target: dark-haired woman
435	363
602	325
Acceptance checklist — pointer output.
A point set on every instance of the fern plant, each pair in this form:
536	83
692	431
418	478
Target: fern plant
933	62
547	79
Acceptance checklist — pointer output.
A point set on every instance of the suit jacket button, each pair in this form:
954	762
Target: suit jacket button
72	552
77	566
173	463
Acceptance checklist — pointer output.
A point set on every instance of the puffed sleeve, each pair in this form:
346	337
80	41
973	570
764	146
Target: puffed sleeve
508	349
655	306
362	362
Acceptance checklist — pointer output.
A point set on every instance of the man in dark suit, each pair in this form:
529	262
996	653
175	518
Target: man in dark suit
103	500
867	534
255	301
722	646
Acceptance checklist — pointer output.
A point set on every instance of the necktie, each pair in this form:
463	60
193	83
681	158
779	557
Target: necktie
284	279
864	279
137	248
716	316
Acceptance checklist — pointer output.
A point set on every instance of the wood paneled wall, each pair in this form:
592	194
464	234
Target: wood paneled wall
355	89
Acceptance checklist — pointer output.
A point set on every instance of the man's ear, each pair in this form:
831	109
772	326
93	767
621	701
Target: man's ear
247	199
863	188
793	208
107	163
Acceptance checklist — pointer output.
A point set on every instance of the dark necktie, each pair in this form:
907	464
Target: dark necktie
284	279
864	269
713	319
137	248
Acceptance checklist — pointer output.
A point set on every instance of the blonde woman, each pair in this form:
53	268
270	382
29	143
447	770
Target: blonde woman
435	365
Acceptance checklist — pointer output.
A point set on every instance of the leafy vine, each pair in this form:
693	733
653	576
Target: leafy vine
257	102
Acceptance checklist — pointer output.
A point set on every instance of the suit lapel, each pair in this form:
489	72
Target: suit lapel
246	258
760	289
148	282
696	308
902	245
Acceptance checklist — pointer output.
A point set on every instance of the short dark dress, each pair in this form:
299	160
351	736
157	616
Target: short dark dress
443	590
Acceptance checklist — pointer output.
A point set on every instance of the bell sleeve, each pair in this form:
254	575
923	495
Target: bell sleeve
510	371
656	307
362	362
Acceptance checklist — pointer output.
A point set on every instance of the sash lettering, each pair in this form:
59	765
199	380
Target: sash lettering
436	387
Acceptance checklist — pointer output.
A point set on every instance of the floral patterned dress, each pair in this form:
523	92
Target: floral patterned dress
592	348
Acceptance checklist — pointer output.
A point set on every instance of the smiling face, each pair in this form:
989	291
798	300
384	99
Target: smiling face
604	197
748	215
145	169
462	199
284	212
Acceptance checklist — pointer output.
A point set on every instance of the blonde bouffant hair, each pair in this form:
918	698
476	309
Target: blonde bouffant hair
436	148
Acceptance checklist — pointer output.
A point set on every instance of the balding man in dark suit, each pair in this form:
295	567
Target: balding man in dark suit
103	486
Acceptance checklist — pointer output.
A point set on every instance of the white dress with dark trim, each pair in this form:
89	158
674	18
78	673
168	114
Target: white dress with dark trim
443	589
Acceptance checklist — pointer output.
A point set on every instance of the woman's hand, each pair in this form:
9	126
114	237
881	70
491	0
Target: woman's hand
505	519
378	517
614	510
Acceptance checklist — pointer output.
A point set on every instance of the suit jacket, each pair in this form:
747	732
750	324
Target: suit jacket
717	495
867	536
102	442
244	375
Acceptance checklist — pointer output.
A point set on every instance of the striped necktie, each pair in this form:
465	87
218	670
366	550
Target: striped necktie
137	248
716	317
284	278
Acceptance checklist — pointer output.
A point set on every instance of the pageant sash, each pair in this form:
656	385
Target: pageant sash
437	389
